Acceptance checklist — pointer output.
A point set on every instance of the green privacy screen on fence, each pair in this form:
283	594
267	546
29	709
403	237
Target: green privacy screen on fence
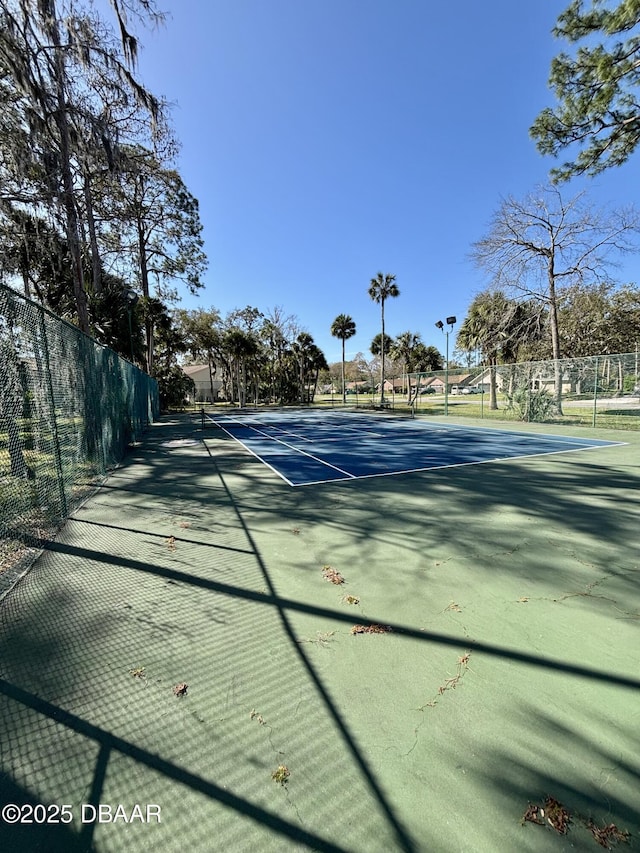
69	408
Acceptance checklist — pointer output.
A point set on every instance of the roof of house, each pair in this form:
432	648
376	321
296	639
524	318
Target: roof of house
190	369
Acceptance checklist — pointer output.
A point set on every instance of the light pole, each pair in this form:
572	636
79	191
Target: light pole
440	325
132	300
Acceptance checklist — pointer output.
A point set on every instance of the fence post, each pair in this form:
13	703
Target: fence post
595	392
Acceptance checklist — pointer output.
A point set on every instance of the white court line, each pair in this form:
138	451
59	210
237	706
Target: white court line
291	434
438	427
291	447
259	458
462	464
313	423
550	436
279	430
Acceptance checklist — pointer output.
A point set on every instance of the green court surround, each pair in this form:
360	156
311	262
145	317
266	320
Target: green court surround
510	673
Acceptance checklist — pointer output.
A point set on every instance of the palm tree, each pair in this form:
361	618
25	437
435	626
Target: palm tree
240	347
402	350
316	363
343	327
499	326
381	288
426	358
303	350
483	329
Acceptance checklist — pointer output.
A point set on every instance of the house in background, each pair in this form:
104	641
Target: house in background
437	384
207	389
359	387
538	378
392	386
456	382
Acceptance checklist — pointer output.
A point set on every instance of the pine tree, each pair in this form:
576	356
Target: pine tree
598	108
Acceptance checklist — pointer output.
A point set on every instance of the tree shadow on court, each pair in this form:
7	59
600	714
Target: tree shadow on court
203	757
562	518
135	588
586	774
188	606
107	743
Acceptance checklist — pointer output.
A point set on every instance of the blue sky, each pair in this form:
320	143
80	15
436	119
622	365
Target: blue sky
327	140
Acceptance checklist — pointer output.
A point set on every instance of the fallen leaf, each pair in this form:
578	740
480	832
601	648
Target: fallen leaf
557	816
281	775
607	834
370	629
330	574
532	815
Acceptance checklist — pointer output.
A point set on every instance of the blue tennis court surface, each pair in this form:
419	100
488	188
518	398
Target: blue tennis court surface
306	448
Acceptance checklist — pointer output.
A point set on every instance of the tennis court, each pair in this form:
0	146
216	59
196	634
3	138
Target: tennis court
445	660
308	448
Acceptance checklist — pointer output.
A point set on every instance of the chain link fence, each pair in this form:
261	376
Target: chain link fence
602	390
69	408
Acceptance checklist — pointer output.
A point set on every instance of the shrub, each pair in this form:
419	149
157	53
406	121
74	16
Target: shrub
531	404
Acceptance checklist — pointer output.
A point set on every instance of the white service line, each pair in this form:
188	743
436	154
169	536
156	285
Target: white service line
460	464
347	474
259	458
278	429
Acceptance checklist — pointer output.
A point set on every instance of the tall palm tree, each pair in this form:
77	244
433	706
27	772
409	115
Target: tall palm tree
483	329
303	350
343	327
240	346
402	350
381	288
316	363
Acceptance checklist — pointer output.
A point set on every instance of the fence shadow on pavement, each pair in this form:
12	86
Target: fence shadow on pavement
172	573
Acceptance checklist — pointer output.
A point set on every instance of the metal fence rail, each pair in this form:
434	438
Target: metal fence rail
69	408
601	390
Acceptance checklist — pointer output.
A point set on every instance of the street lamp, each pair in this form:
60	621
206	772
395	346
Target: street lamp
132	300
440	325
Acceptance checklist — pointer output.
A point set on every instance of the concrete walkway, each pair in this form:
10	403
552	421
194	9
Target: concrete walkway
176	670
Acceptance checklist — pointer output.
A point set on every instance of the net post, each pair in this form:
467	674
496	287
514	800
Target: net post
595	393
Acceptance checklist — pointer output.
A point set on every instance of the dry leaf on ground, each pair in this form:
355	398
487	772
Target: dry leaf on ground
370	629
330	574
